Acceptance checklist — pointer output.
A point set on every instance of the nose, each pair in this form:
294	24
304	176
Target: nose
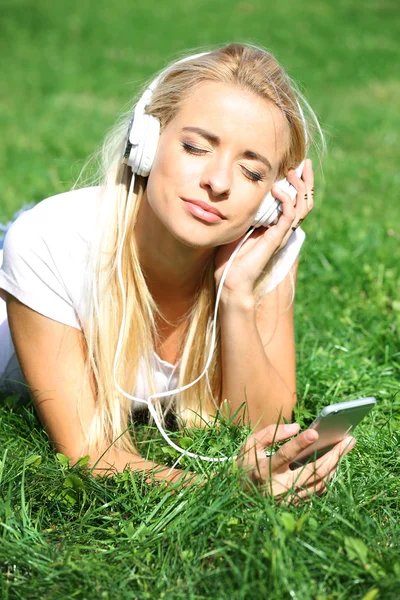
216	177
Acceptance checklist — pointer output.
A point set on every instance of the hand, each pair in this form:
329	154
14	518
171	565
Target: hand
257	251
273	472
303	201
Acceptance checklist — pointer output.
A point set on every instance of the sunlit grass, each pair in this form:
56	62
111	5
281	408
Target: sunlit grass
67	70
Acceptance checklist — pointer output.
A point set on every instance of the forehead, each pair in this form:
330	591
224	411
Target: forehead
235	115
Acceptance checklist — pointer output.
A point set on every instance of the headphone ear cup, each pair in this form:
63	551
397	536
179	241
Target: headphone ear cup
148	145
269	210
270	207
143	140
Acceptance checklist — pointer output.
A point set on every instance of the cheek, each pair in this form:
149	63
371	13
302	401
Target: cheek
160	175
173	171
247	203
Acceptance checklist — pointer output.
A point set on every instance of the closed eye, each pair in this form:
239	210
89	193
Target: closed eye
253	175
193	149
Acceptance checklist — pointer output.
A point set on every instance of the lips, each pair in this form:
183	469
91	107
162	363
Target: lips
204	206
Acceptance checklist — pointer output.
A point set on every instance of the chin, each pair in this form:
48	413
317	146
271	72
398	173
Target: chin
197	239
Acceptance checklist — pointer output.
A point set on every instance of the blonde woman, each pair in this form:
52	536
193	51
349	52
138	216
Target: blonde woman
110	290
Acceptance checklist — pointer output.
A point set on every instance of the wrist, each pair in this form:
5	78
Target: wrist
237	300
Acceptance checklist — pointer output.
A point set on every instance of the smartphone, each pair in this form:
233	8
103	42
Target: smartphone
333	424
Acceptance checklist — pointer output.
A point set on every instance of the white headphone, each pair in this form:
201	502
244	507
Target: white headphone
142	141
140	150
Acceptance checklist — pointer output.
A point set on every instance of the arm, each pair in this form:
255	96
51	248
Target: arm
258	354
52	359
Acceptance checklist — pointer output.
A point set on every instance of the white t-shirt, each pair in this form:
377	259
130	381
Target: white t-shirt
43	264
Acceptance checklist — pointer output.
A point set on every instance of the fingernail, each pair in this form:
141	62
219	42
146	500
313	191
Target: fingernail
311	435
291	427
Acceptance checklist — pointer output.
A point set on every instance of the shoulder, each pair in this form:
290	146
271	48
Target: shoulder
71	211
46	254
57	224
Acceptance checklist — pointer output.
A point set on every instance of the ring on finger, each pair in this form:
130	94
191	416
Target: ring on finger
299	222
309	197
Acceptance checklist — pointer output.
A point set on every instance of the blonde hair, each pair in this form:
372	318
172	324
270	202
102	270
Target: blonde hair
253	69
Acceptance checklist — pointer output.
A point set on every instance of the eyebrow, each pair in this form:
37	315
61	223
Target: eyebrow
214	139
256	156
211	137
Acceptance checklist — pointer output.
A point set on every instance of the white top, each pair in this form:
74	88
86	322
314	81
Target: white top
43	264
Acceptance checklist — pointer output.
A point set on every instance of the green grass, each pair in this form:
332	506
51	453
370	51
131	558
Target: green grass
67	69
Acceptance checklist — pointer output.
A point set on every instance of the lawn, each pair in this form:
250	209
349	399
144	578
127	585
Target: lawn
68	68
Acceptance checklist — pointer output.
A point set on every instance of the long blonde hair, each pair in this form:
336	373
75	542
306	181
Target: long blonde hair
253	69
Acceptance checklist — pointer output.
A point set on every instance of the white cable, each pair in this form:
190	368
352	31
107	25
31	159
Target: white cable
174	466
213	338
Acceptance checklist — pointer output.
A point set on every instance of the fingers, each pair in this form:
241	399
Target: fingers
323	468
317	489
288	205
300	495
252	455
276	433
289	451
303	496
300	200
319	473
308	177
274	472
282	230
305	190
330	459
294	211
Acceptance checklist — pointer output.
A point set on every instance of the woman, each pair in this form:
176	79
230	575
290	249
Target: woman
231	126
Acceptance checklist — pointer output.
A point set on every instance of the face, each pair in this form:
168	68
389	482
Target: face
215	162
